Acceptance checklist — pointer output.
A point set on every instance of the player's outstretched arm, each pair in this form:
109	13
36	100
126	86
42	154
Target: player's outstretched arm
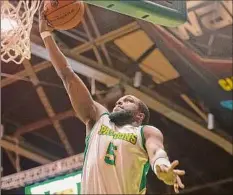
85	107
159	160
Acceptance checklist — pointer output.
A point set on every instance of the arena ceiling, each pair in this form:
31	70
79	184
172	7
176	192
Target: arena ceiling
107	49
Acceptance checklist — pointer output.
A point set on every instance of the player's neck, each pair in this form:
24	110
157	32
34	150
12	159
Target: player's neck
136	124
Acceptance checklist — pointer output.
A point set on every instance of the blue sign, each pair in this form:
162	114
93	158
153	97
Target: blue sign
227	104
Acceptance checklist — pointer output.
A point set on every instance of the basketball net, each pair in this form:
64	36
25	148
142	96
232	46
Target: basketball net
16	25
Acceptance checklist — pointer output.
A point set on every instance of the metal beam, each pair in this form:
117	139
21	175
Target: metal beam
11	158
37	68
75	37
91	39
46	103
24	144
44	122
42	83
24	152
97	33
153	103
194	107
107	37
80	68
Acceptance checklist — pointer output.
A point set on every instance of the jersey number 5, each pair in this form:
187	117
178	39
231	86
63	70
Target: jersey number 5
110	157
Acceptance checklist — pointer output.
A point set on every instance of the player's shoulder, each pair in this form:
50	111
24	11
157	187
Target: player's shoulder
150	130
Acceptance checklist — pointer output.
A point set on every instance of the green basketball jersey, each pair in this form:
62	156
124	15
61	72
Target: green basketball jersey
116	161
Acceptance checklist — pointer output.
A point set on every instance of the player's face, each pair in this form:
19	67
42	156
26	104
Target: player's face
127	103
126	111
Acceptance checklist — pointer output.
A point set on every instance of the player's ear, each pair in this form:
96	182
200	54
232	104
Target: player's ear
140	116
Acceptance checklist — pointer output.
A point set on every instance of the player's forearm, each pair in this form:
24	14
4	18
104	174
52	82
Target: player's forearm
56	56
155	147
80	97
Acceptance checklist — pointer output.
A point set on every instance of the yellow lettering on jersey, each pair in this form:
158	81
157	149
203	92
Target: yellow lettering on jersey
117	135
103	130
133	139
122	135
129	137
111	133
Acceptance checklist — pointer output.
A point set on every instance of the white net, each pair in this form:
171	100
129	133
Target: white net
16	25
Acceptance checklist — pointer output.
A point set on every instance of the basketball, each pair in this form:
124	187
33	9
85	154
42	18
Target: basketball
63	14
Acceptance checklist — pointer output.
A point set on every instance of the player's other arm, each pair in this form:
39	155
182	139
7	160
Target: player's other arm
85	107
159	160
155	147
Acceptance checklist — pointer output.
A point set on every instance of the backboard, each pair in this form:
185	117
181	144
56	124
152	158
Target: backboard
169	13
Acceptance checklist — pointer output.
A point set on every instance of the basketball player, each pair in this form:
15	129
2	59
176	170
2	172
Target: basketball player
120	147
